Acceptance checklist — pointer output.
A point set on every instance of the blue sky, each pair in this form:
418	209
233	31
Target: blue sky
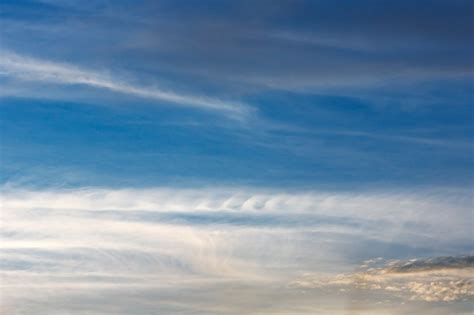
382	96
214	111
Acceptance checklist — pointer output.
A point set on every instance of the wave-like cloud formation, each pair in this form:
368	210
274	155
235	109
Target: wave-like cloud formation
427	211
224	250
36	70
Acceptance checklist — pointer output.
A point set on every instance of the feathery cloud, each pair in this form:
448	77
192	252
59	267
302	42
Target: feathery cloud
30	69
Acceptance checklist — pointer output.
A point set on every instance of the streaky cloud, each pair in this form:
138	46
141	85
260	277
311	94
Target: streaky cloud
224	245
25	68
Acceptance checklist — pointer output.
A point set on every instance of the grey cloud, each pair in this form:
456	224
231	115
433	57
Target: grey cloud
246	45
432	264
437	279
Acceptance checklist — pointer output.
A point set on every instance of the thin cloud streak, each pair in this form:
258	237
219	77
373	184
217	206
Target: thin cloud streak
30	69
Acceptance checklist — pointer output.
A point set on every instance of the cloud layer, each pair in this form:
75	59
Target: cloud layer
79	244
247	47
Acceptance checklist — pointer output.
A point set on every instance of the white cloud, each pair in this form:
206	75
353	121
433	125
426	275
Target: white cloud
35	70
91	245
429	213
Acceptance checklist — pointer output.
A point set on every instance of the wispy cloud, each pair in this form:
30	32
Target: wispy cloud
31	69
102	242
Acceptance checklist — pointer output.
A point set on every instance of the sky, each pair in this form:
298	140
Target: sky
236	157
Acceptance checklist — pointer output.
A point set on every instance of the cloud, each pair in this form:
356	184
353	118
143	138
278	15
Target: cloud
291	45
446	279
431	264
226	250
29	69
427	216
